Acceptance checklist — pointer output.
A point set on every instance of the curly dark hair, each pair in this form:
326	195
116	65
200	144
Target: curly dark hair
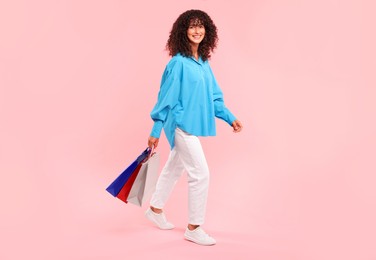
178	41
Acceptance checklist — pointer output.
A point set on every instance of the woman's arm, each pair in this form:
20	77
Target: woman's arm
167	99
220	109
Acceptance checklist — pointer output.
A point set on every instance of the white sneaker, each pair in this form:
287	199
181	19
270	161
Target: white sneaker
158	219
199	236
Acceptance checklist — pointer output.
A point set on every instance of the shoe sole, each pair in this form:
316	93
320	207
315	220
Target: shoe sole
196	241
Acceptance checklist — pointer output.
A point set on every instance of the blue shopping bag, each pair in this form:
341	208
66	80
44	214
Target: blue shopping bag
120	181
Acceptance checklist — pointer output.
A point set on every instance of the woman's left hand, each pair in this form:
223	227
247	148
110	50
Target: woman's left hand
237	126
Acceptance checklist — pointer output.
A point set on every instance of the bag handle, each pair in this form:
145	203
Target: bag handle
151	150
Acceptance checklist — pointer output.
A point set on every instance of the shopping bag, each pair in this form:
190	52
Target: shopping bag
115	187
124	192
145	182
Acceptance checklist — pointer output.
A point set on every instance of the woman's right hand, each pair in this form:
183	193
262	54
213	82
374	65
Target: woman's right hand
153	142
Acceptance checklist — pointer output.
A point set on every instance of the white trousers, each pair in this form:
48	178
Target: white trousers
188	155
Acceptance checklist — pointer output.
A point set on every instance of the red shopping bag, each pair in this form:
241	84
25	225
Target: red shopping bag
120	181
124	192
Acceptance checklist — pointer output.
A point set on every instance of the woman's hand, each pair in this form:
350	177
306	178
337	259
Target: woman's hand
153	142
237	126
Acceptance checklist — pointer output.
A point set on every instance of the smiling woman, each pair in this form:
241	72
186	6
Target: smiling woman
179	40
188	102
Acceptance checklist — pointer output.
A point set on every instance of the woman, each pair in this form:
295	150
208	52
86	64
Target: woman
188	102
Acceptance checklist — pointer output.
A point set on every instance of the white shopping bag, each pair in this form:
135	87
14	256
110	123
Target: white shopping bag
145	182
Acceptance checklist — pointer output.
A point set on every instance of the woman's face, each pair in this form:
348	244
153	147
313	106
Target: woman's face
196	32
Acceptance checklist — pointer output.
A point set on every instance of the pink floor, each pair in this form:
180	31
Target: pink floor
98	226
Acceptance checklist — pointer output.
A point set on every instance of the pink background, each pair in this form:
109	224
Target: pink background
79	78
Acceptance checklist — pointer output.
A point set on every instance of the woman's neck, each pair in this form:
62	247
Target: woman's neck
194	48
